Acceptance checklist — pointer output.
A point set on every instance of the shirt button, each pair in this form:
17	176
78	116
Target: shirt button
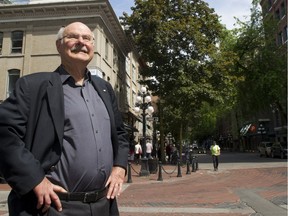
100	150
92	115
52	168
96	131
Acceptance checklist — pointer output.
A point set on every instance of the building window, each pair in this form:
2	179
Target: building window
13	76
106	49
127	66
134	97
103	75
1	42
282	10
17	41
134	73
280	38
269	4
285	34
115	58
277	15
129	95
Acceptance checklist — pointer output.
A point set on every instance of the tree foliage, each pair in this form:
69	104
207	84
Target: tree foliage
179	40
201	70
261	63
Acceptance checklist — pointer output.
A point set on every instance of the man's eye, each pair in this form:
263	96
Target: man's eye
86	38
72	37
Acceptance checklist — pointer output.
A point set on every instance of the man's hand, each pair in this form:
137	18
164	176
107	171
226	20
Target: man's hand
115	182
46	194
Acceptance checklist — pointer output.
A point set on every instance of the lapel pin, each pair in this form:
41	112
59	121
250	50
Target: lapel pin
104	90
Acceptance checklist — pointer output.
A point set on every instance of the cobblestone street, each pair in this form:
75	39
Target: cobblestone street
256	188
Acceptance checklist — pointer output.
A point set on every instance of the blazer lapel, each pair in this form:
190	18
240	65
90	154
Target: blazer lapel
103	93
56	103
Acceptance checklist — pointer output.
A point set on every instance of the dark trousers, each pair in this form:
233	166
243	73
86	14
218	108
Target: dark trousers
137	158
26	206
215	161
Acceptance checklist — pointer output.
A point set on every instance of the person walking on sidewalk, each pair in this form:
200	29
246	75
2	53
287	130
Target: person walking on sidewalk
149	148
215	152
63	146
138	152
168	152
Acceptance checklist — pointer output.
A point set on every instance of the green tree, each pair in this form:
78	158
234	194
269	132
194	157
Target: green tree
173	37
262	64
259	66
179	40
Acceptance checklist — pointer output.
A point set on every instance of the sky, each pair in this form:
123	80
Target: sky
226	9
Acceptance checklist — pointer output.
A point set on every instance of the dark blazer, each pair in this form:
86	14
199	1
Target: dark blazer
31	129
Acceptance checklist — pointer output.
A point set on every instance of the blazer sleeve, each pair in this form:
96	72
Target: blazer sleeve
119	134
17	164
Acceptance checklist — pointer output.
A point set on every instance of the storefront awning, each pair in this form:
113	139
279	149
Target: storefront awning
248	129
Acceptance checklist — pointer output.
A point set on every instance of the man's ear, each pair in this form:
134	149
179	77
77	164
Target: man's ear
58	44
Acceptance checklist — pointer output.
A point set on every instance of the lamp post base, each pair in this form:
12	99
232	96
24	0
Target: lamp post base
144	167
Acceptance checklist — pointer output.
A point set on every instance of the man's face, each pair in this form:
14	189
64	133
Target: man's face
77	44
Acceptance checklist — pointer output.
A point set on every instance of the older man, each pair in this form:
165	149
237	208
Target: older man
63	146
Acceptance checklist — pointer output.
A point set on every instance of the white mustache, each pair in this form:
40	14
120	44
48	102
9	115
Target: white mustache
77	48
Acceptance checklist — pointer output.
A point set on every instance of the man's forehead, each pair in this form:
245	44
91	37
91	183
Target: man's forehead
77	28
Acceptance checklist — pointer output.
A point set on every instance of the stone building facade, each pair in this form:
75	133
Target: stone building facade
27	45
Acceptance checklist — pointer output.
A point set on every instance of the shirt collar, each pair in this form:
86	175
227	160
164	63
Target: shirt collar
64	75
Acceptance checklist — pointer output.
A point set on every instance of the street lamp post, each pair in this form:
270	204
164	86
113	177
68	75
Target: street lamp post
143	103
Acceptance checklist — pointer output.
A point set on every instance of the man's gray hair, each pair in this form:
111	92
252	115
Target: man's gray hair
60	33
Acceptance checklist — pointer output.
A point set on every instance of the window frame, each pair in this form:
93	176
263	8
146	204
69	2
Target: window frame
11	82
1	41
16	47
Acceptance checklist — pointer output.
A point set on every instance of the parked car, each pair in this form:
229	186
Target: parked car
279	149
194	147
265	149
202	150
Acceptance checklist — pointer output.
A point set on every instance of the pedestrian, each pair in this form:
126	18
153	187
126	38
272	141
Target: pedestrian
174	155
138	152
131	153
168	152
215	152
63	145
149	148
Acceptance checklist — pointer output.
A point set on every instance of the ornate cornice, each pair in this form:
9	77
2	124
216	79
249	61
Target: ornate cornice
66	10
10	13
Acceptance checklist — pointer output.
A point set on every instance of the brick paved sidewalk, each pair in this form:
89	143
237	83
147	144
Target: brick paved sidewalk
204	192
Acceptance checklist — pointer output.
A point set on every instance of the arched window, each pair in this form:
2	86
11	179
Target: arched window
17	41
13	76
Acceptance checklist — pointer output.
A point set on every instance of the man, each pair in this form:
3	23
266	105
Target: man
63	146
138	152
168	152
215	152
149	148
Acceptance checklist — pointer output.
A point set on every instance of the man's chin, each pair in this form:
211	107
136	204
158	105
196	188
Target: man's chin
82	58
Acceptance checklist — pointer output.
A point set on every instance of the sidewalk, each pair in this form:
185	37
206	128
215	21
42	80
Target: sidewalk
237	189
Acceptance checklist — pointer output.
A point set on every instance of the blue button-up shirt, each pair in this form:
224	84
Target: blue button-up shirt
87	155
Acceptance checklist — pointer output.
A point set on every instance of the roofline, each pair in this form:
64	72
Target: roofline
55	10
